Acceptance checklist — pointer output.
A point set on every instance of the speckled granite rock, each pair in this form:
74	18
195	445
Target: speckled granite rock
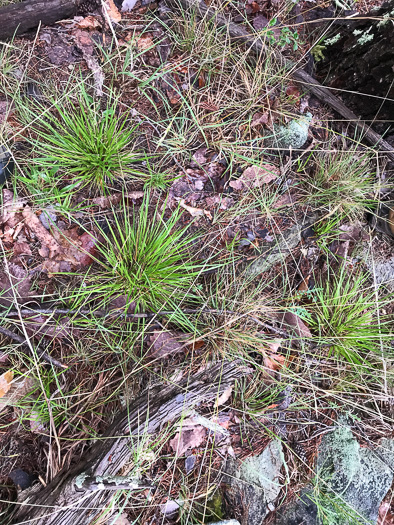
354	481
255	483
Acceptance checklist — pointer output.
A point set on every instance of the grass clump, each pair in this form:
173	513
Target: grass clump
147	260
92	145
341	183
344	315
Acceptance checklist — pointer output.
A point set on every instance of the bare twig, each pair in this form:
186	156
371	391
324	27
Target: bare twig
43	355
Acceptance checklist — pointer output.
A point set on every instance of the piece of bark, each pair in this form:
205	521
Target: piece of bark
65	500
240	34
21	17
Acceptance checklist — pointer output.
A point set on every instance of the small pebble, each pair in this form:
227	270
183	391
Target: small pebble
190	462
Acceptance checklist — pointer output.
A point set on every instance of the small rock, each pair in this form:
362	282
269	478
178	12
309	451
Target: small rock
190	462
255	483
48	218
292	135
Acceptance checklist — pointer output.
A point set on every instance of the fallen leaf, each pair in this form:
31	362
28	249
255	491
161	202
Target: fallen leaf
259	22
200	157
291	320
112	11
22	248
49	246
386	514
256	176
170	507
89	22
16	283
39	326
224	397
5	382
17	389
293	92
260	119
11	209
163	344
274	361
145	42
187	439
285	200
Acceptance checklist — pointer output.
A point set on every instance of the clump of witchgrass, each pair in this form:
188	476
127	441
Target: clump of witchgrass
91	145
341	183
147	260
344	315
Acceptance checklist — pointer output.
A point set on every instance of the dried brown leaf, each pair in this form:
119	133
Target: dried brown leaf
166	343
187	439
224	397
194	212
112	11
256	176
5	382
15	283
89	22
291	320
145	42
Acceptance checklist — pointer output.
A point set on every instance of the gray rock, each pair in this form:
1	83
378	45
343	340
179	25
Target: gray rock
350	484
292	135
255	483
48	217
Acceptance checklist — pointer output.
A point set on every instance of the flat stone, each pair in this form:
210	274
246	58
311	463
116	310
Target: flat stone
353	481
256	482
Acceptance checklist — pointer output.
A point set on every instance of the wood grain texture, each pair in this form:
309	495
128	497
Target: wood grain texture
23	16
62	502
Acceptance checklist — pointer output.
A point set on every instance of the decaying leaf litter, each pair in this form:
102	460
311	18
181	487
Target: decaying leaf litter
158	221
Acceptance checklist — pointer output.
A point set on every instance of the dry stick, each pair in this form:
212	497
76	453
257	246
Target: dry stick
43	355
322	92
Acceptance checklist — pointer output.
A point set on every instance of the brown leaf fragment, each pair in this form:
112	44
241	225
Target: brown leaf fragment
10	209
194	212
145	42
40	326
291	320
260	119
187	439
200	157
22	248
49	246
112	11
89	23
224	397
256	176
18	389
166	343
15	284
5	382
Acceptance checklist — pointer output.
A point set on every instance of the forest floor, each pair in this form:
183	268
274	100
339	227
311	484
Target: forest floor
148	178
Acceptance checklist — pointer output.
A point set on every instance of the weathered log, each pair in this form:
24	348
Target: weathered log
77	496
310	84
359	60
24	16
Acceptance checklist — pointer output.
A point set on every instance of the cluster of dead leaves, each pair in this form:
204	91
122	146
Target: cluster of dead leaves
63	250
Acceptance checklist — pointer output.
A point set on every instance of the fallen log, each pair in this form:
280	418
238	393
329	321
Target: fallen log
323	93
78	496
24	16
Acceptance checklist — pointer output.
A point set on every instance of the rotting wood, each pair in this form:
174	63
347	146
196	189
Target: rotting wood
65	501
323	93
24	16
